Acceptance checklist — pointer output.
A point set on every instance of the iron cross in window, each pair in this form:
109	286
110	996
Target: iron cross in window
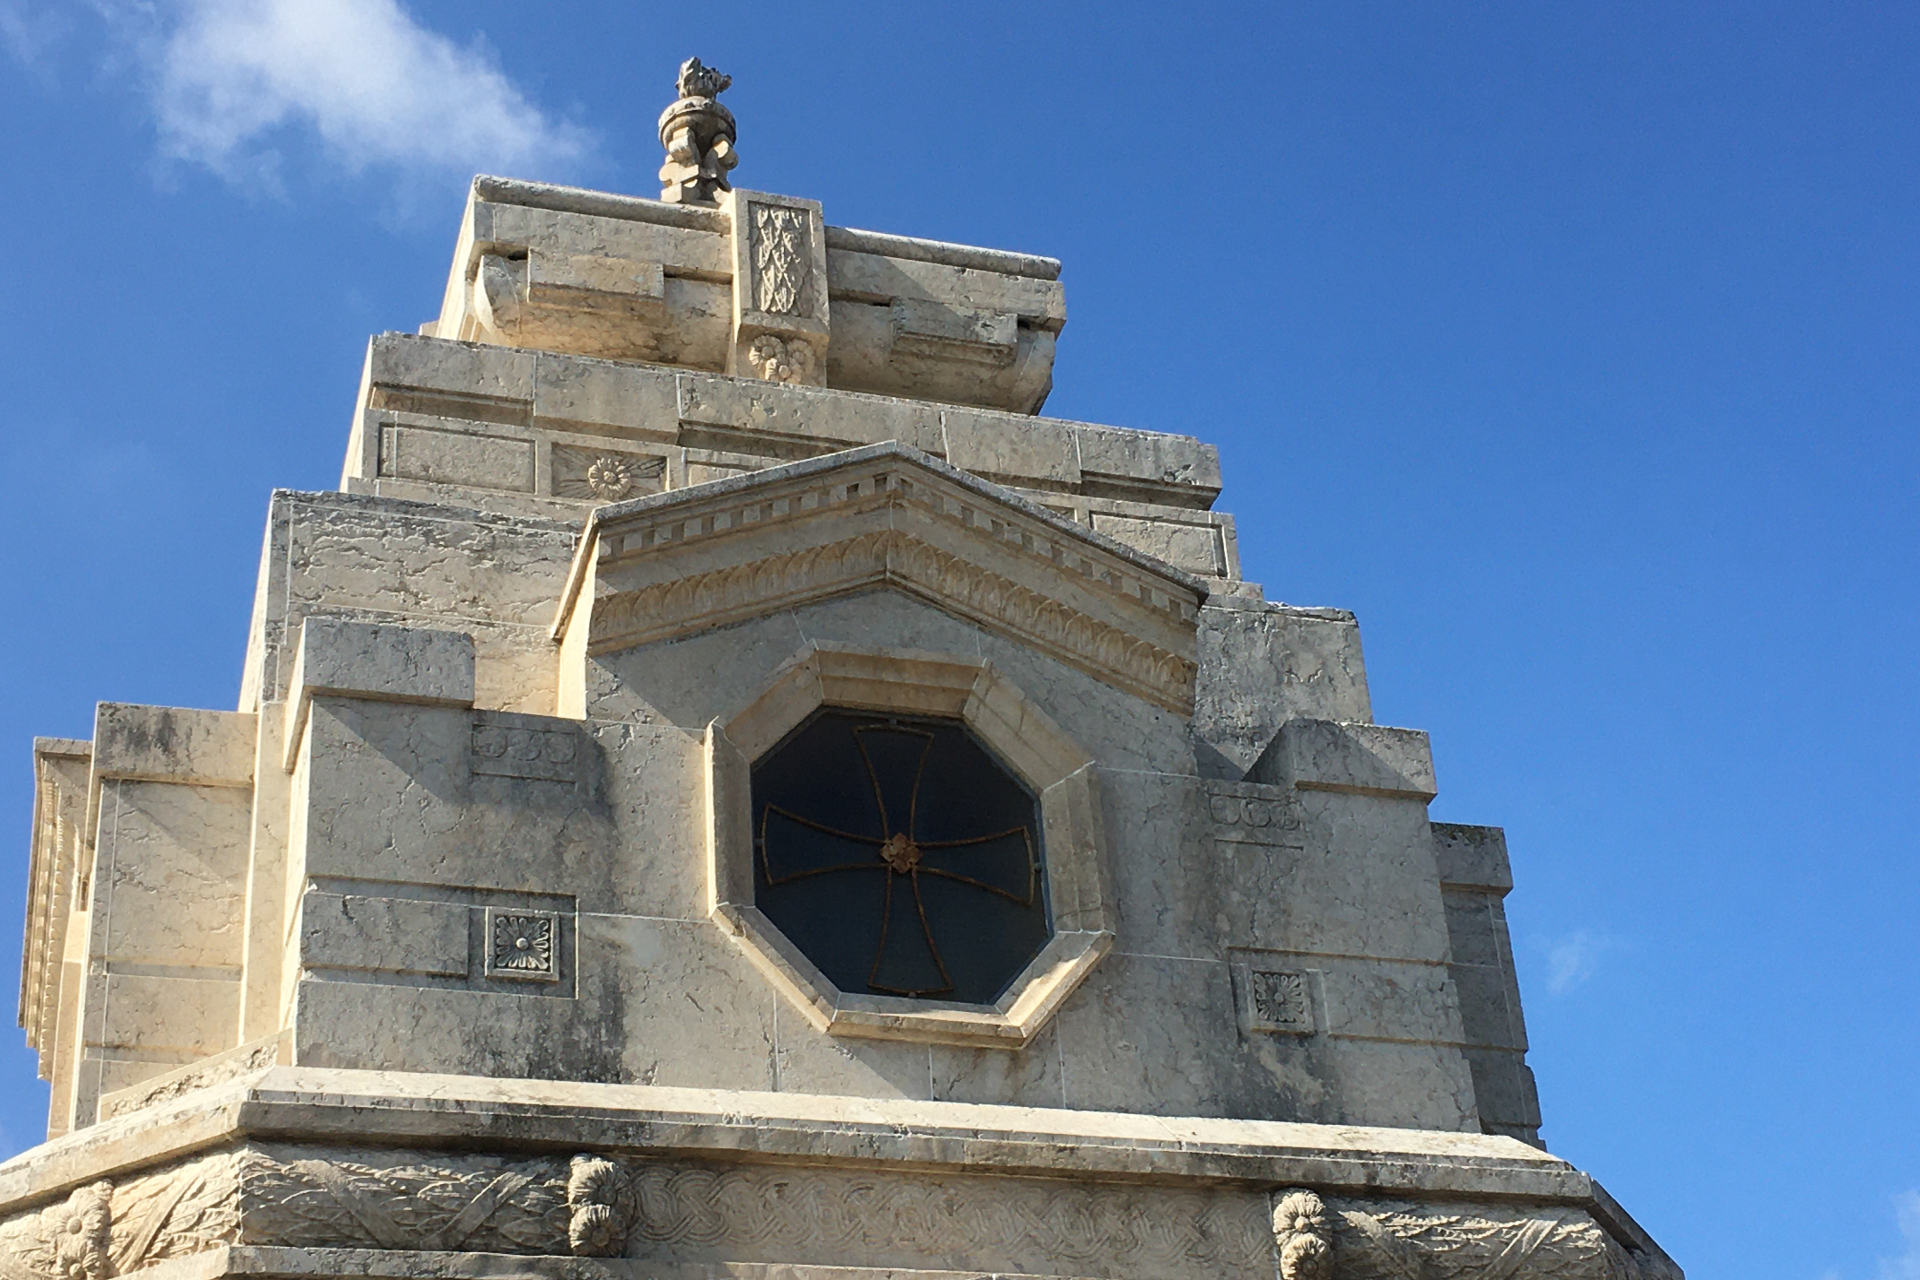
900	856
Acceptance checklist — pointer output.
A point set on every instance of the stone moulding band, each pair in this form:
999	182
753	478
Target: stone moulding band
893	558
176	1176
678	563
397	1204
601	204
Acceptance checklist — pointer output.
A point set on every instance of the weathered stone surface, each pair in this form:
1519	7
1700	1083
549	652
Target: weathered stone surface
338	657
1359	759
1263	665
174	744
447	954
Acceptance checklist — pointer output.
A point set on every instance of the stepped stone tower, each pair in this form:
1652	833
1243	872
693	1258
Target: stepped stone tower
724	789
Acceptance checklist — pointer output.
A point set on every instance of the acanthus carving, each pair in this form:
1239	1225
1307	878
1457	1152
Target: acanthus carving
1385	1240
703	600
398	1200
176	1212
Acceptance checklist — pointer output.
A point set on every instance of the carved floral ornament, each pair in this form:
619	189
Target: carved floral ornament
781	359
1303	1236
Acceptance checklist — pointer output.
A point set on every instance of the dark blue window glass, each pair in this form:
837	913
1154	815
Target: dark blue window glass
900	856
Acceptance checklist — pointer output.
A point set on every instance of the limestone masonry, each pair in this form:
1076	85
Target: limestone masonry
725	789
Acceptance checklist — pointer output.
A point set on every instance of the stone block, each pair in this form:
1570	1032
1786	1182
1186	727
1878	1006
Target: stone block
1260	667
1005	447
1175	469
1472	857
405	371
173	744
1504	1089
572	393
1200	546
342	658
384	561
777	421
171	867
166	1018
1345	875
1358	759
1363	998
363	932
464	459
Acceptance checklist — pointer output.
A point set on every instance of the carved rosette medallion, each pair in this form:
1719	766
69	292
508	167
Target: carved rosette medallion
522	945
781	359
1280	1001
610	479
600	1207
1303	1236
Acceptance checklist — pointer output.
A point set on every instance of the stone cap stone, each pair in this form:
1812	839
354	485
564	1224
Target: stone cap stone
1358	759
759	286
380	661
1472	857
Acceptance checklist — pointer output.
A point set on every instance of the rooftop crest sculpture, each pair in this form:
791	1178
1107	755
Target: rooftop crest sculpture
698	134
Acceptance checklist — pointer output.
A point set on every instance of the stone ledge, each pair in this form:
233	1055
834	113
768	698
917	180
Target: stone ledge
1355	759
419	1109
173	744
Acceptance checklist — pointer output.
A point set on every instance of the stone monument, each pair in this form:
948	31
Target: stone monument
725	789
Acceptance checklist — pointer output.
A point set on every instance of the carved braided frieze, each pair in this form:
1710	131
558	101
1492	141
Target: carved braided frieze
697	601
782	279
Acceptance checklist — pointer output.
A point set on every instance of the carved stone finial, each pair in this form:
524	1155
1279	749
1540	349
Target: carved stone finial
1303	1234
698	134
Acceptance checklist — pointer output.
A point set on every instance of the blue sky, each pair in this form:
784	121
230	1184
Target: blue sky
1573	346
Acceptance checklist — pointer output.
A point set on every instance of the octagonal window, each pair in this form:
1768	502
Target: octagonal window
900	855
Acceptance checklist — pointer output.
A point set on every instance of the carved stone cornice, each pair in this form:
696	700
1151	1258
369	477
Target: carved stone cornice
456	1213
677	563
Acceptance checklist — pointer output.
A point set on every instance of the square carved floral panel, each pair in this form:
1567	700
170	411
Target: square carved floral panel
522	946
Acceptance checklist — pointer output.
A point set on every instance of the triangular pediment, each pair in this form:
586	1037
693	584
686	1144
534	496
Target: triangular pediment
677	563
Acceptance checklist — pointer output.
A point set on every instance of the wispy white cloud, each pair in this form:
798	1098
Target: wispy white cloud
1906	1265
1573	958
27	34
233	81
